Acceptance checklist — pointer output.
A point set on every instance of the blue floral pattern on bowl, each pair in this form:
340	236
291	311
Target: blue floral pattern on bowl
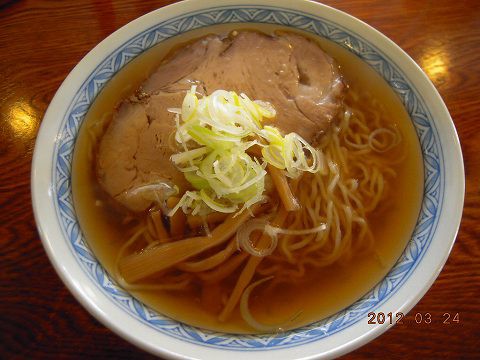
417	246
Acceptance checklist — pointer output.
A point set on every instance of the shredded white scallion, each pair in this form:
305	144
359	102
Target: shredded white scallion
215	132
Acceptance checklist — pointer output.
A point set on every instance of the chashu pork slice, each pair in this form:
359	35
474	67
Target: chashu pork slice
291	72
134	153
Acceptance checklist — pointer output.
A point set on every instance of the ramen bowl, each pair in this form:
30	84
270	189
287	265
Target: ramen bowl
409	279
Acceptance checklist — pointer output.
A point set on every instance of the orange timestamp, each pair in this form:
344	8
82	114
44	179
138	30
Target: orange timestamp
391	318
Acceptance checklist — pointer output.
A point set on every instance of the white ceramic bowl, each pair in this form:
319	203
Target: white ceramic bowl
399	291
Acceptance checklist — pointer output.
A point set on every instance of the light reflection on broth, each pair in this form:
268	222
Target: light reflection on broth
320	291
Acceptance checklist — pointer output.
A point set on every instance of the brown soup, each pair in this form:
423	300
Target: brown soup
319	291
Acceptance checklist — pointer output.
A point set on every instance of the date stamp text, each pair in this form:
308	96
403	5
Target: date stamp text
391	318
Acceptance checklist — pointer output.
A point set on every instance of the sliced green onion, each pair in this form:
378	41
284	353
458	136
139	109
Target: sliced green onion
215	132
210	138
197	182
216	205
273	155
187	156
190	104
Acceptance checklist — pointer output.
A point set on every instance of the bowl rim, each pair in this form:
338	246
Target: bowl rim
43	191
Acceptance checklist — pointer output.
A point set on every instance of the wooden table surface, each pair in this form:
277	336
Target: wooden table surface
41	41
